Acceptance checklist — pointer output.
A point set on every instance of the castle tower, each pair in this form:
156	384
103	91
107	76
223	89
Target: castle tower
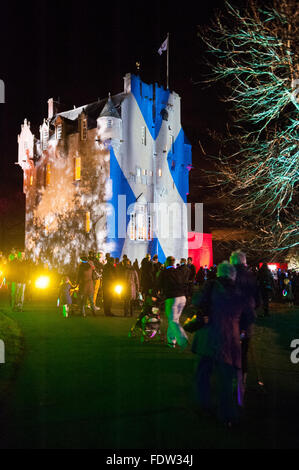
111	175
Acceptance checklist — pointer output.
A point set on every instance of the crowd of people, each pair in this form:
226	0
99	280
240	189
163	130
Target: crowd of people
98	273
17	275
226	298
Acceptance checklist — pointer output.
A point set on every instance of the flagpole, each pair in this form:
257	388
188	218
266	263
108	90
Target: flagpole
167	76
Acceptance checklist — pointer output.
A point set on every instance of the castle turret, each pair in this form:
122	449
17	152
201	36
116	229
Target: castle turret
109	123
26	145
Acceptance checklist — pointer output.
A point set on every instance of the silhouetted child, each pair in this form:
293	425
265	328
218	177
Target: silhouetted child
288	292
64	296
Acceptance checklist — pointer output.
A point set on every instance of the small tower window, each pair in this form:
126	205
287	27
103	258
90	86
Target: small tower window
109	123
87	222
31	180
160	172
77	168
83	129
48	174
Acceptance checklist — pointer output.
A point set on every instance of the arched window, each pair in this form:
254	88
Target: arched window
140	227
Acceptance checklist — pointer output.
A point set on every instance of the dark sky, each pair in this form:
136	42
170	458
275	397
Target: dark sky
80	51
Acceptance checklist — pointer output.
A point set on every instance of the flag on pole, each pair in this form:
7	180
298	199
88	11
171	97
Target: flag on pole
163	47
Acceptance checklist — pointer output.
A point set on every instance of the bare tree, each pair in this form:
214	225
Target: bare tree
254	52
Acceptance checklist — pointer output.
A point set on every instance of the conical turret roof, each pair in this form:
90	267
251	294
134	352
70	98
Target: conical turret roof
109	109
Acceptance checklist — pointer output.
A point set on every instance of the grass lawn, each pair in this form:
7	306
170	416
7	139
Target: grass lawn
84	384
11	334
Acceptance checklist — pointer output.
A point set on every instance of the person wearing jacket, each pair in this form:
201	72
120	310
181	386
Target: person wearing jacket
171	282
266	283
192	276
109	277
147	275
19	277
85	281
223	305
186	275
131	288
96	275
64	295
246	283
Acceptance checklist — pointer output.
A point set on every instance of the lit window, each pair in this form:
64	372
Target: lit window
77	168
143	172
160	172
48	174
141	226
31	180
132	227
83	130
87	222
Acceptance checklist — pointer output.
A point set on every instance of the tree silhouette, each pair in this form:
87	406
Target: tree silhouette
253	51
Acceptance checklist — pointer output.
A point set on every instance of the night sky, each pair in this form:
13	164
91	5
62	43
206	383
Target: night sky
79	51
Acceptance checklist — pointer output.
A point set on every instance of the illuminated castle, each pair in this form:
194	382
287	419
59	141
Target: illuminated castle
97	174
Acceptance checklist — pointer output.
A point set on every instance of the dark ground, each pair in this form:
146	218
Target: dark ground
82	383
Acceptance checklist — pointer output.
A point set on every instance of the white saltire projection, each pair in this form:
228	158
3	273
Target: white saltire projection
152	153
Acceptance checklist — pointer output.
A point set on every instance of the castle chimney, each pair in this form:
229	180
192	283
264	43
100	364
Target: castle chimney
50	108
53	107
